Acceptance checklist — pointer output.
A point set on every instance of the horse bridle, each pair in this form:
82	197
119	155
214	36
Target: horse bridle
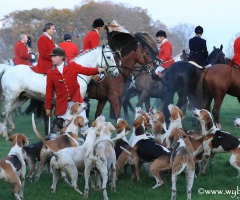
103	57
212	62
154	59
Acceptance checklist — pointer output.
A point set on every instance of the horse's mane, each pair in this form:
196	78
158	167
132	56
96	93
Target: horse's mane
114	26
84	52
145	39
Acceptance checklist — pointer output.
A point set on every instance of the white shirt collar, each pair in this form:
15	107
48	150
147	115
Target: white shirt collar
96	30
165	40
60	68
47	35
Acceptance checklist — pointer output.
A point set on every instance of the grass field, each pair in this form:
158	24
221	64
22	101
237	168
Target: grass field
219	179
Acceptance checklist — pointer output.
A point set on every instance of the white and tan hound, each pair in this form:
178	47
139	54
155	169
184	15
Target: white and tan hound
13	167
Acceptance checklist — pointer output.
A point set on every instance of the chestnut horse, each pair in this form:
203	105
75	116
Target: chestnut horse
186	79
218	81
131	52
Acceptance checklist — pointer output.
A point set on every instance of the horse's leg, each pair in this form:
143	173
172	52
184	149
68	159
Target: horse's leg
100	106
147	104
216	107
114	101
127	95
9	106
168	99
144	95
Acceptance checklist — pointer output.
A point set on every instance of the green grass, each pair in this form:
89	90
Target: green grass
221	177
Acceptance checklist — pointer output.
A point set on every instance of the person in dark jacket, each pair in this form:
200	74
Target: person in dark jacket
198	49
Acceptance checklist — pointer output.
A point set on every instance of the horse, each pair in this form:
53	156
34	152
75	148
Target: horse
131	52
186	79
219	80
145	87
20	82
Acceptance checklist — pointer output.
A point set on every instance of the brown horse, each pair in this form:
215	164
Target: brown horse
131	52
145	88
218	81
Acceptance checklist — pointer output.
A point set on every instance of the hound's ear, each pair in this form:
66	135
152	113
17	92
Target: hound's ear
128	128
183	134
209	123
11	138
135	123
181	114
74	108
117	126
94	124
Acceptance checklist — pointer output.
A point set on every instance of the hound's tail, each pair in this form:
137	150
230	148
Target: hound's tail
128	152
37	133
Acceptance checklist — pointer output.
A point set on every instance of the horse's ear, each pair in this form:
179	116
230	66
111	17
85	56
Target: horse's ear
221	47
214	47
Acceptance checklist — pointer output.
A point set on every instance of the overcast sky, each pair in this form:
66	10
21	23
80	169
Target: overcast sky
219	18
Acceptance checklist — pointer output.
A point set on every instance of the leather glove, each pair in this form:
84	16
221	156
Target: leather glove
49	113
33	56
158	62
101	70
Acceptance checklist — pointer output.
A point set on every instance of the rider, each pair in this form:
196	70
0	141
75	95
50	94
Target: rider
198	49
45	46
236	58
62	79
165	53
92	40
22	51
69	47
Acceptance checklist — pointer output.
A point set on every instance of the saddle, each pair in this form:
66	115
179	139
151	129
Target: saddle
195	64
234	65
156	78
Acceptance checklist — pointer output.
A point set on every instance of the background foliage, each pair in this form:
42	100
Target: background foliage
78	22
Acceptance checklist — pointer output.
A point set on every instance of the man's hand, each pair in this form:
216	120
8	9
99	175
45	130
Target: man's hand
101	70
49	113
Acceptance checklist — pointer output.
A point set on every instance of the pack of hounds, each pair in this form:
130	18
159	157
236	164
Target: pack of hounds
100	157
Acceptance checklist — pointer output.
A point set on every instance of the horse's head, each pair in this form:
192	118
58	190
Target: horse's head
216	56
146	57
8	62
107	61
149	50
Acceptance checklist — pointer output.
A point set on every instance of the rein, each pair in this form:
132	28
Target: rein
103	57
214	61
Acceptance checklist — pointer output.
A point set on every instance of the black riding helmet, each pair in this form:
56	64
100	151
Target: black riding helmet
57	51
199	30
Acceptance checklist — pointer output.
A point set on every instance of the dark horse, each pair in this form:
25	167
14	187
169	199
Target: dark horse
138	48
145	87
185	79
218	81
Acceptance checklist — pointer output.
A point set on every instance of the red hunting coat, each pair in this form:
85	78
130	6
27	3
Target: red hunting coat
65	85
236	48
165	53
70	49
91	40
21	54
45	47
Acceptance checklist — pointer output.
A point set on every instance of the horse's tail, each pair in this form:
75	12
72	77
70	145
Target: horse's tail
37	133
35	106
3	68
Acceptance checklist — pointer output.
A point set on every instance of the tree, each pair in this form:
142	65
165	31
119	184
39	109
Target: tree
180	35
